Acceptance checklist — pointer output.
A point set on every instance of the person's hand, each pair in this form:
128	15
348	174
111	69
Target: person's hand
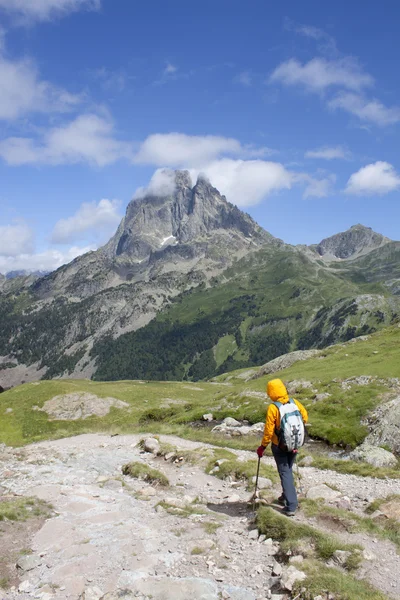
260	451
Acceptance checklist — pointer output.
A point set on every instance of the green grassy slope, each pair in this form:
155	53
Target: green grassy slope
267	304
169	407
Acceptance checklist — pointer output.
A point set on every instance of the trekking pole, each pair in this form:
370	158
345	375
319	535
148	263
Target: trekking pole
256	486
299	478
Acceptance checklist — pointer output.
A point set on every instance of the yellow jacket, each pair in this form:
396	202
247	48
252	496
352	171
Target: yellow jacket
277	391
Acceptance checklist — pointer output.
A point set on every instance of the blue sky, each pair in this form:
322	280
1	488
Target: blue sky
291	109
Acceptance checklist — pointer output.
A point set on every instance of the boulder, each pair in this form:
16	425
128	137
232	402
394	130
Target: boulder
320	397
92	593
391	509
284	362
384	425
306	461
80	405
340	557
290	576
378	457
297	385
231	422
323	491
208	417
263	482
29	562
151	445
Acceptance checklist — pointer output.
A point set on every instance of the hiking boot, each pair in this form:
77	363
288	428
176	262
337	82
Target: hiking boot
288	513
282	500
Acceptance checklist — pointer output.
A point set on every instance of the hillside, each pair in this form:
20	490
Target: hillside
189	287
177	511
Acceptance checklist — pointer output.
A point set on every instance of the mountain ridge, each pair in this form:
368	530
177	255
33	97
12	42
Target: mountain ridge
169	245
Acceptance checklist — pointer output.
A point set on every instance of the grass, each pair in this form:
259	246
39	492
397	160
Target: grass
172	407
376	504
21	509
342	585
242	471
185	511
290	533
351	467
196	550
387	529
210	527
142	471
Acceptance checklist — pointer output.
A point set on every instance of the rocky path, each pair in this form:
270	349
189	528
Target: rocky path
109	534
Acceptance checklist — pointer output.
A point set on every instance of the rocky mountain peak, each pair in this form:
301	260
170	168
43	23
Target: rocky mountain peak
356	241
176	212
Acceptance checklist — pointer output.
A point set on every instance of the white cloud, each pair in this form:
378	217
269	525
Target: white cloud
16	239
247	182
97	220
22	91
366	110
375	179
43	10
320	74
161	184
170	69
111	81
328	153
326	43
43	261
244	78
87	139
178	149
318	188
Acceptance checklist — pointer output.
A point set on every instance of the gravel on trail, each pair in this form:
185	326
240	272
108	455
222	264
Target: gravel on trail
110	533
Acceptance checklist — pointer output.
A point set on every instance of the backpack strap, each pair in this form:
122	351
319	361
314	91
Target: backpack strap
278	406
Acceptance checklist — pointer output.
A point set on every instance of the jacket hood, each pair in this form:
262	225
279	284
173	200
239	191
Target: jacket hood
277	391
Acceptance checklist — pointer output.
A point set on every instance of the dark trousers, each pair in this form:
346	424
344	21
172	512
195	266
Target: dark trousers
284	462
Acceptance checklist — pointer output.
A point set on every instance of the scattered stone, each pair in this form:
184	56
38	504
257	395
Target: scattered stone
323	491
253	534
148	492
296	559
169	456
208	417
9	411
344	503
92	593
29	562
290	576
391	509
263	482
120	595
276	568
299	384
151	445
233	499
323	396
378	457
26	586
230	422
221	461
340	557
368	555
307	461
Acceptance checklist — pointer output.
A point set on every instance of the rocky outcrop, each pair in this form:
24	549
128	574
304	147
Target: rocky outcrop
354	242
284	362
384	426
378	457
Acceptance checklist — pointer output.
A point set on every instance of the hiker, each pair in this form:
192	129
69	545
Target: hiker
286	440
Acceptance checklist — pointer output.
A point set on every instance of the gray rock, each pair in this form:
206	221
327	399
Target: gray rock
276	568
29	562
9	411
263	482
151	445
208	417
307	461
253	534
340	557
320	397
284	362
80	405
231	422
378	457
169	588
298	385
121	594
92	593
344	503
384	425
323	491
291	576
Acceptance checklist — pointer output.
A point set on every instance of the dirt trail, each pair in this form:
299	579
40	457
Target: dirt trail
105	536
